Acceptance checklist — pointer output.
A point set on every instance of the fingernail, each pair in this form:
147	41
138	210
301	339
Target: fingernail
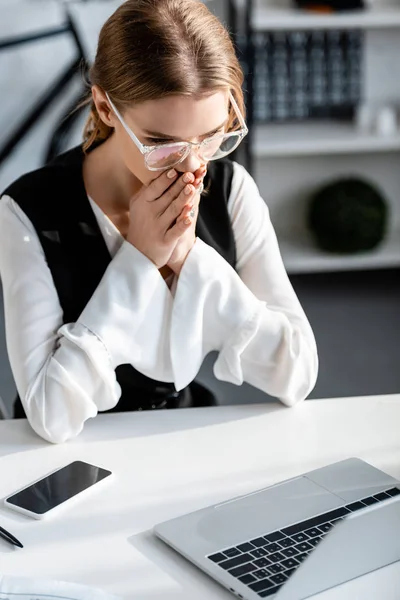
187	221
188	190
187	178
171	174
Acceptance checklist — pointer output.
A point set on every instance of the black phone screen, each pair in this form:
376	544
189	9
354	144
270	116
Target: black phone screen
49	492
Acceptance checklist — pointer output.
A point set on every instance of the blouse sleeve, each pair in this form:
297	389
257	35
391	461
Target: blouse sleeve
251	316
65	374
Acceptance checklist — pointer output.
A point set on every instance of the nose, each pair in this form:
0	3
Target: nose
191	163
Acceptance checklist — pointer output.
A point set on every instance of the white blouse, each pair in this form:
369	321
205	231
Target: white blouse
65	374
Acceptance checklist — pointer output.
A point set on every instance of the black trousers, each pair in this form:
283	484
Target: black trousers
194	396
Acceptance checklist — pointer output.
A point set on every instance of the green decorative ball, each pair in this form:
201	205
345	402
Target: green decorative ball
348	216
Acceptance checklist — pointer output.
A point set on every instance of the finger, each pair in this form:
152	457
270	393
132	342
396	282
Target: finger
176	231
173	192
158	186
189	210
199	186
200	172
199	183
187	214
199	175
174	209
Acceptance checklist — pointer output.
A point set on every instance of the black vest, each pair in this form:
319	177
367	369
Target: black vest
55	200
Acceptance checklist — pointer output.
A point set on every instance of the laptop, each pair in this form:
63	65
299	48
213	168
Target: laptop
297	538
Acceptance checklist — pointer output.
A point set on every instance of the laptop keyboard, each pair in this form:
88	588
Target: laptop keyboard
265	563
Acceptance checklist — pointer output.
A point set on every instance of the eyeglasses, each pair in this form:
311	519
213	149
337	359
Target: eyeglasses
164	156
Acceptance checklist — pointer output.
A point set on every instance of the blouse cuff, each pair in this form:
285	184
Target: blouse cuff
130	310
213	310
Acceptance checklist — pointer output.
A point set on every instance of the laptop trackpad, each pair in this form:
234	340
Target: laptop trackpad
265	511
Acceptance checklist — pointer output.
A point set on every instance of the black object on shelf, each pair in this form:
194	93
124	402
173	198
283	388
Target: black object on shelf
334	5
297	75
348	216
300	75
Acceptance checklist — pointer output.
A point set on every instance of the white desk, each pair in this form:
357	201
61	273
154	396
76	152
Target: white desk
171	462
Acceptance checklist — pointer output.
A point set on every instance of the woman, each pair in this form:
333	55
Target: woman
117	279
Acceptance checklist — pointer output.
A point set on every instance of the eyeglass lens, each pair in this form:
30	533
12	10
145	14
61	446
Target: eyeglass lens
166	156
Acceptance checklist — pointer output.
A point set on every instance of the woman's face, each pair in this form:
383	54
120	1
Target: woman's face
166	120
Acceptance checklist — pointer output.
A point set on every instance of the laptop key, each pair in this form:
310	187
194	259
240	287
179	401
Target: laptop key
270	592
301	537
369	501
260	586
272	547
303	547
280	578
277	568
262	562
382	496
315	541
276	536
290	572
393	492
286	542
259	553
315	521
242	570
231	552
325	527
290	562
288	552
246	579
355	506
236	562
276	557
302	556
217	558
261	574
313	532
246	547
258	542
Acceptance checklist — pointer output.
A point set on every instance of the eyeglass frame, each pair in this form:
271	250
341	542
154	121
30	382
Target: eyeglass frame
145	150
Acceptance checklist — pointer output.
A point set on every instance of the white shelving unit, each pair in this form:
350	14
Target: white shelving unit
319	138
342	146
265	18
301	256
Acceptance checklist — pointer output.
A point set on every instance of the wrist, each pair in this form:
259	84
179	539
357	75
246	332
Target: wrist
176	265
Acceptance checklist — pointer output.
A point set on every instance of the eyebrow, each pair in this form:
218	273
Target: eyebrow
157	134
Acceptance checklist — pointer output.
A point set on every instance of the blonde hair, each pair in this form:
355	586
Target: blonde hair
149	49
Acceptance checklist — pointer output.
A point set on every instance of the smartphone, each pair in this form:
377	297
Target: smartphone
52	492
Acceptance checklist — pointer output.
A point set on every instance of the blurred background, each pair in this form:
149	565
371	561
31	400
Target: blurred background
322	87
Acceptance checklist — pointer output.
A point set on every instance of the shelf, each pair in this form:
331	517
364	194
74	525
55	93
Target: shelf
267	19
319	138
301	256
